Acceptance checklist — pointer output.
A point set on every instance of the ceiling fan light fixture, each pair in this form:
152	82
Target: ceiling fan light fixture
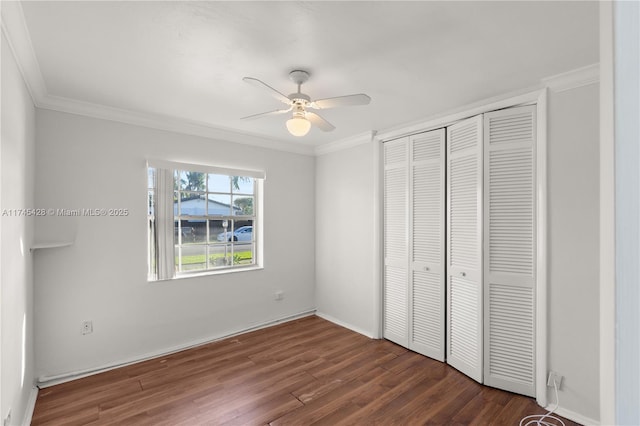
298	126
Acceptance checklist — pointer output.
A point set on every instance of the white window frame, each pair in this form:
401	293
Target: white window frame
162	248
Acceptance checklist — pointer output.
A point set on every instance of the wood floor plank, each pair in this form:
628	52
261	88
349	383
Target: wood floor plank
303	372
264	412
317	409
234	402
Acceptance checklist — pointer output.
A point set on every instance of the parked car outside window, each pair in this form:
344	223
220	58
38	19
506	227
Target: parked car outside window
244	233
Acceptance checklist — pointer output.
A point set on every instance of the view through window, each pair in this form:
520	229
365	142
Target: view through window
214	221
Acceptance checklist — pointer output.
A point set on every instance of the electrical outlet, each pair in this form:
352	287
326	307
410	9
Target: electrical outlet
278	295
87	327
554	379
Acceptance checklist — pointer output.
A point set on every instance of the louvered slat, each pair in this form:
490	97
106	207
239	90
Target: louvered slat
395	214
428	324
395	302
463	223
395	152
462	137
427	213
511	326
464	275
396	250
511	211
465	341
427	298
427	146
512	128
510	233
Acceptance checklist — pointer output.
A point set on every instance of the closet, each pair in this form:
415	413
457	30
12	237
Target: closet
459	246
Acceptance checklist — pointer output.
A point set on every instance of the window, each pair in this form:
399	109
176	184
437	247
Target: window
201	219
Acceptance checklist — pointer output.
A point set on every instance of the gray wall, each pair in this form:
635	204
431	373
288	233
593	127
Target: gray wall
573	241
345	268
91	163
16	292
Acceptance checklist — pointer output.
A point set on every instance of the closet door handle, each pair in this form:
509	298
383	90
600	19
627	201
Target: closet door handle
426	268
463	274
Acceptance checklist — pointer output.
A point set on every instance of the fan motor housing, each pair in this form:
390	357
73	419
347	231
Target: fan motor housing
298	76
299	98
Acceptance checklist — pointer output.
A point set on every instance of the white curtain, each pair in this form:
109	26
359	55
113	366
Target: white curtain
165	257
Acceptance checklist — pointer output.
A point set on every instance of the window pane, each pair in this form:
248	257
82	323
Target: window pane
219	255
193	231
219	205
243	231
243	254
219	183
191	181
191	205
151	177
242	184
218	230
151	261
190	184
150	202
191	257
243	205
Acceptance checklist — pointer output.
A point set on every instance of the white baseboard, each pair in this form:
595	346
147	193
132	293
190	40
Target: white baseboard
46	381
346	325
572	415
31	406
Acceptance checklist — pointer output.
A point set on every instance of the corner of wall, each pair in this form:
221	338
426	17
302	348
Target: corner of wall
17	194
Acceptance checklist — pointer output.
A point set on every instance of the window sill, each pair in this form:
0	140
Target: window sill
184	275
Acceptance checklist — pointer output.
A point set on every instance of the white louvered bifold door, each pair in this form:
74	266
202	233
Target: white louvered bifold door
396	241
464	244
426	215
510	249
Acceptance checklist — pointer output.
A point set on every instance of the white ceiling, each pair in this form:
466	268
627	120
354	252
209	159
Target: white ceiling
186	60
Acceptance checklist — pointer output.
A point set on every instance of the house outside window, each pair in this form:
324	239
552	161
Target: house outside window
201	219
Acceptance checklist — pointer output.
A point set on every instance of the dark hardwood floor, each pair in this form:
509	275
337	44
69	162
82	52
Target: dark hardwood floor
303	372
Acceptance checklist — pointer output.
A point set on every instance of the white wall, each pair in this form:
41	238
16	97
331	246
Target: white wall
573	235
345	238
91	163
16	297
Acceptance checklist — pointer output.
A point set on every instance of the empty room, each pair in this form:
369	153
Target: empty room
319	212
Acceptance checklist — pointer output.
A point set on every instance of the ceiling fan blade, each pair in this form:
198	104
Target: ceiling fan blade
262	85
349	100
319	122
264	114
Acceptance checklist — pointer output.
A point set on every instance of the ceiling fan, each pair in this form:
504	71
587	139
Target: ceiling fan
299	103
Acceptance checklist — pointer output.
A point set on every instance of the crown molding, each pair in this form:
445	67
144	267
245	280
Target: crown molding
14	28
573	79
339	145
167	123
519	97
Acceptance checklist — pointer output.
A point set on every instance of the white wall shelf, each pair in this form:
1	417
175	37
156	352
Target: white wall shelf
55	244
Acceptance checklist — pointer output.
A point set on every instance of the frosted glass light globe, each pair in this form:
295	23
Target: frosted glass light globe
298	126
